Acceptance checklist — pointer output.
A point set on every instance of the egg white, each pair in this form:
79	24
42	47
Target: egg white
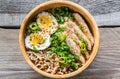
42	46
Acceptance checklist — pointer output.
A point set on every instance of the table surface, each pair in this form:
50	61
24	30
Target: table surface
107	62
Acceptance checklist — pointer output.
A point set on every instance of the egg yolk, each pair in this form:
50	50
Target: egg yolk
45	21
36	39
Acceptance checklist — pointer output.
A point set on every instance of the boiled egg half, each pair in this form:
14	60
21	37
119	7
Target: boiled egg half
47	22
39	41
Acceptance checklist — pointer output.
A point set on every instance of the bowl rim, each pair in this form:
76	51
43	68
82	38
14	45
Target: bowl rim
73	5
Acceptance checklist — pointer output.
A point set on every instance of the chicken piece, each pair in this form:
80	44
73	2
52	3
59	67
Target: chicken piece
85	28
87	55
79	32
72	35
75	38
74	48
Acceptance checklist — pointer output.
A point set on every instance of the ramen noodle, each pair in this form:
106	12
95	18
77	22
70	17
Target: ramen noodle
58	41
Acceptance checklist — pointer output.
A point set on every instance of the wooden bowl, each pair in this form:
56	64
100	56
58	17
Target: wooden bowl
76	8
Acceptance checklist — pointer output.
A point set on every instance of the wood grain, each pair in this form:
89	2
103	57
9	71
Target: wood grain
96	7
105	66
12	12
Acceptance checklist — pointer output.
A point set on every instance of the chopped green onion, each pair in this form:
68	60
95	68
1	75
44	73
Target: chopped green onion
61	29
43	41
81	27
83	40
59	46
61	12
33	27
35	49
83	48
62	37
62	59
62	20
74	65
65	48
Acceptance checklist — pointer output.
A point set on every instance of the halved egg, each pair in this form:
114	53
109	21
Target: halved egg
47	22
39	41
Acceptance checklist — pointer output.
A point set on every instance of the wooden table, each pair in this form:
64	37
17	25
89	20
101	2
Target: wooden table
107	62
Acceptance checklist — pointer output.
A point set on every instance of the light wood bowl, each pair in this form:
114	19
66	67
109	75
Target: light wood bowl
76	8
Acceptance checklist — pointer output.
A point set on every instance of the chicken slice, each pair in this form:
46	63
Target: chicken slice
76	40
74	48
85	29
76	30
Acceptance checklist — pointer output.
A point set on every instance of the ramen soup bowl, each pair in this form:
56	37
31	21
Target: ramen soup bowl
76	8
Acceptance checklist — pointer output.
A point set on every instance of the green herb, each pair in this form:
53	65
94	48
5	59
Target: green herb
63	43
74	65
33	27
83	45
61	12
59	68
43	41
83	40
35	49
61	20
83	48
62	59
65	48
70	16
59	46
62	37
81	27
61	29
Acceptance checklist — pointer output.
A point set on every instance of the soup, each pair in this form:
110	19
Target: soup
58	41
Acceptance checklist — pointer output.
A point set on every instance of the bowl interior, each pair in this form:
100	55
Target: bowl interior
52	4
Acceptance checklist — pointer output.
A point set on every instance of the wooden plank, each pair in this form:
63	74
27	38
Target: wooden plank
105	12
87	74
9	40
96	7
18	6
10	20
111	19
105	66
